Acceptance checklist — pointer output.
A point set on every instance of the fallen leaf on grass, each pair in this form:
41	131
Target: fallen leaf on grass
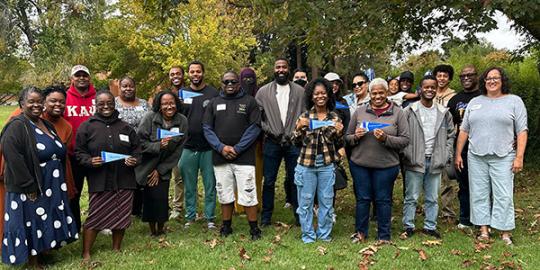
267	259
509	265
467	263
403	236
507	254
486	257
322	250
431	243
212	243
488	266
277	239
422	254
479	246
456	252
243	255
270	252
363	265
398	252
282	225
404	248
369	251
163	243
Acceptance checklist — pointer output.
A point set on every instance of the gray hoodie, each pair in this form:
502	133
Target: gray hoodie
414	153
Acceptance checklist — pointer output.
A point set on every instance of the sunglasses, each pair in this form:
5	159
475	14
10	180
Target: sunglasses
227	82
358	84
468	75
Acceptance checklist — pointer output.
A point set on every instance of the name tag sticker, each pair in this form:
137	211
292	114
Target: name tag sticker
175	129
188	101
221	107
476	107
124	138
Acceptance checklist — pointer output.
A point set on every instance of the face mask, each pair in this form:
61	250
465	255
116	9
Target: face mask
301	82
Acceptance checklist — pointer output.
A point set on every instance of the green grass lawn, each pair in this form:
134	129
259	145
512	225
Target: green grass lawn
281	247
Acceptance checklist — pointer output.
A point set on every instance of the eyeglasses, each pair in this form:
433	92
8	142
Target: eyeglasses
358	84
227	82
467	75
492	79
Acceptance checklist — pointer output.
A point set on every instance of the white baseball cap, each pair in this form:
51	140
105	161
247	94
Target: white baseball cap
78	68
331	76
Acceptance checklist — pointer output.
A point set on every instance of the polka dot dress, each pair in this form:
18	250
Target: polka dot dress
33	227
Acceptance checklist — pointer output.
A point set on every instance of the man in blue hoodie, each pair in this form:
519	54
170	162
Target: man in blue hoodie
231	126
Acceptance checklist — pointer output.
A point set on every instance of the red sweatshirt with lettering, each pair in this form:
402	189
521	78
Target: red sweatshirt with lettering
78	109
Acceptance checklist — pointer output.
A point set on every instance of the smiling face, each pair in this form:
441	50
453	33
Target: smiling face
127	89
32	105
469	78
320	96
443	79
196	74
230	84
281	72
493	82
429	89
105	104
176	76
55	103
81	80
360	86
167	106
393	86
405	85
378	96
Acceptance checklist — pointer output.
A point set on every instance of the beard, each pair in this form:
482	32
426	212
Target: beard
281	80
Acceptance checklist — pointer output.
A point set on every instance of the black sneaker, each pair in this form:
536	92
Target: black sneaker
225	231
409	232
433	233
256	234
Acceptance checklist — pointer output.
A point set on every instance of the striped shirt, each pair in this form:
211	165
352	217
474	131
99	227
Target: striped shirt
323	141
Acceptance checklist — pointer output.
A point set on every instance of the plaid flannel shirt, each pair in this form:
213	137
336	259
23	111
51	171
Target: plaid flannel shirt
309	140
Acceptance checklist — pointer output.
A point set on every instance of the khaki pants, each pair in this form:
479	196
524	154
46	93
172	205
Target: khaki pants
178	199
448	196
258	178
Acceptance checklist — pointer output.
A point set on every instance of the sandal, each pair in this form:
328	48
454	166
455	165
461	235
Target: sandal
484	237
507	240
358	238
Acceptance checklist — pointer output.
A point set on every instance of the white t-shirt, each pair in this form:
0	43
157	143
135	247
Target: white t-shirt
282	97
429	118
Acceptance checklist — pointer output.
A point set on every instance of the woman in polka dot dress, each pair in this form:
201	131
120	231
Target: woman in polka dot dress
37	215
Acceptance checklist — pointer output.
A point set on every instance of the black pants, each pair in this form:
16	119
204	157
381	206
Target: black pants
79	173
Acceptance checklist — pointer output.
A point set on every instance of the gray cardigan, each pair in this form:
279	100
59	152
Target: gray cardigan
153	157
368	151
414	153
271	122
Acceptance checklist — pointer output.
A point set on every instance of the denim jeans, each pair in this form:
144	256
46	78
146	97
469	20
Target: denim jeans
415	182
310	181
463	193
492	191
273	154
374	184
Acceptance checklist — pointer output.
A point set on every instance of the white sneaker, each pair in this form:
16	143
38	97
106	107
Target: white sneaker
211	225
188	224
463	226
175	215
287	205
106	232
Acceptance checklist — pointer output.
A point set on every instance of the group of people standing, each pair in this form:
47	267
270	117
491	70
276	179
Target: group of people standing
237	137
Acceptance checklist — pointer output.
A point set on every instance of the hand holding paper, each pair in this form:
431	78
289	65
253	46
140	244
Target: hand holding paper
370	126
163	133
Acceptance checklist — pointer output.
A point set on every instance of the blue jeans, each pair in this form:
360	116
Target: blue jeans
374	184
273	154
310	181
431	183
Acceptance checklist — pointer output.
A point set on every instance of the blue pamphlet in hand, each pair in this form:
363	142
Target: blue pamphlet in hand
370	126
163	133
341	106
110	157
184	94
315	124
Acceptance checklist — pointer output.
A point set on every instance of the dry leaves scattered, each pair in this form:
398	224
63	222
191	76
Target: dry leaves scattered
479	246
163	243
243	254
212	243
422	254
467	263
322	250
456	252
431	243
